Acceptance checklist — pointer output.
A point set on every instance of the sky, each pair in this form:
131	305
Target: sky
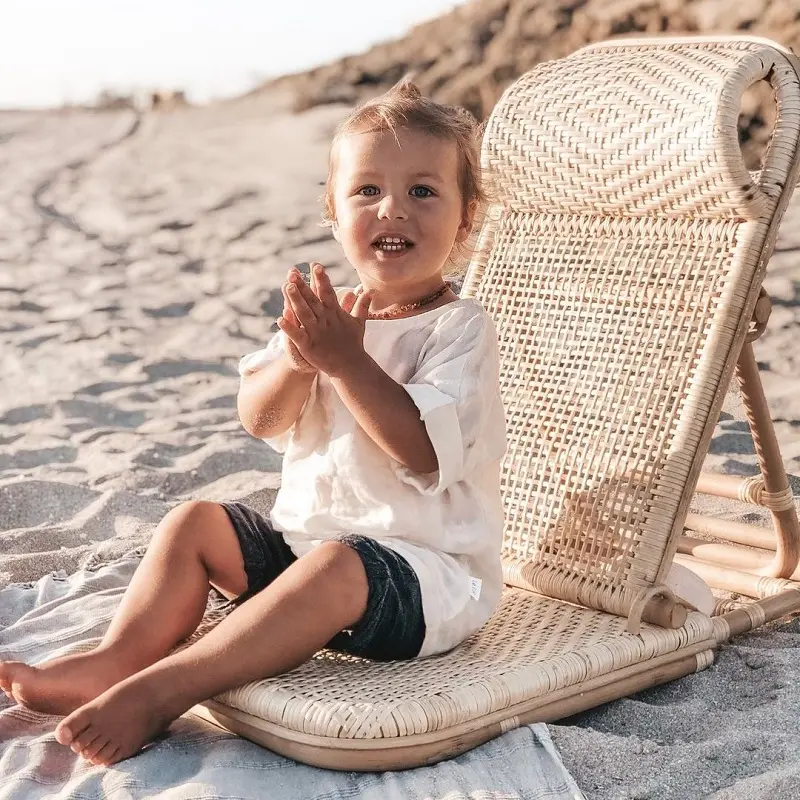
67	51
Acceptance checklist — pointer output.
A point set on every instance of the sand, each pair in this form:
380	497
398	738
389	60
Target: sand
141	256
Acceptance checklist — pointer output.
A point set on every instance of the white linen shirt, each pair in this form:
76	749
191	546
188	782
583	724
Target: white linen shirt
447	524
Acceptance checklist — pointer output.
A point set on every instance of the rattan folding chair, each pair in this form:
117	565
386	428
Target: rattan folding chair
622	260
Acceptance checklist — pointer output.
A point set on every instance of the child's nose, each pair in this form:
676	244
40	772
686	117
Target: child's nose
392	207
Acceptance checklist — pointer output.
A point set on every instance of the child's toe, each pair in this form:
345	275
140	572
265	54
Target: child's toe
75	728
63	734
9	672
90	749
108	755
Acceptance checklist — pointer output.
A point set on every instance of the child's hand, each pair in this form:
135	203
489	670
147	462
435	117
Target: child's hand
329	336
297	362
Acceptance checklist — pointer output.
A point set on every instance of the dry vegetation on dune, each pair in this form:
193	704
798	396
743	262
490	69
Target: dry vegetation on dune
467	57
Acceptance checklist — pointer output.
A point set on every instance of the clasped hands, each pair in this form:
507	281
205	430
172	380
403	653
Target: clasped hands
322	333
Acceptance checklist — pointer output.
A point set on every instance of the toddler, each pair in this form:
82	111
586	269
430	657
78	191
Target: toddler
384	540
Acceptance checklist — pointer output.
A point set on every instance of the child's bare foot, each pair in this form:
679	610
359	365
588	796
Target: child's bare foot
119	722
66	683
5	679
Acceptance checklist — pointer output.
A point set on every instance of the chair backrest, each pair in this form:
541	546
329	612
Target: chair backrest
621	259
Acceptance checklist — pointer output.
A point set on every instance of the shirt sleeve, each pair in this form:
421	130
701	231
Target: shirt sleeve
456	389
253	362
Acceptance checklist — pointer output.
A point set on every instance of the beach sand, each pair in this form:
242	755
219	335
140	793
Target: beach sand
141	257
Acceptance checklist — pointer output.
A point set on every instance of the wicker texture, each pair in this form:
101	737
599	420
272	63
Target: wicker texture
620	263
657	135
532	646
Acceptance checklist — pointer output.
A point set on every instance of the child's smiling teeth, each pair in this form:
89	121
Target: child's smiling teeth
391	243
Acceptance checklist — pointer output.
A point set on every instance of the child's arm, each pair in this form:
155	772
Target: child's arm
271	399
386	413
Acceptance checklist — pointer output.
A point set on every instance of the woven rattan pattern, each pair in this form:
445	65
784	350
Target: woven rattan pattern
617	262
655	135
532	646
602	340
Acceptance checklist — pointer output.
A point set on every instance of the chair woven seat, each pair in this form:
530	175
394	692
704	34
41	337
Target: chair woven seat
621	260
533	646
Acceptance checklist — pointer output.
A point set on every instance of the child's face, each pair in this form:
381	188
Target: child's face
408	191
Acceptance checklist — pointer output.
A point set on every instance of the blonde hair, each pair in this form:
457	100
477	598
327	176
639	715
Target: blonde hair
403	106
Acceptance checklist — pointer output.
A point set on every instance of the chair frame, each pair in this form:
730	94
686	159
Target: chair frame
750	561
748	553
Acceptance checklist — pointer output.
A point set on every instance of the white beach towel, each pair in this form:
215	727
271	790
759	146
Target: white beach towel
62	614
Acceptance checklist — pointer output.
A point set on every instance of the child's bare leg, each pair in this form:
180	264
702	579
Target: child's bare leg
319	595
193	545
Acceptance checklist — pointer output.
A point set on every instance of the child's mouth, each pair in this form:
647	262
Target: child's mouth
392	244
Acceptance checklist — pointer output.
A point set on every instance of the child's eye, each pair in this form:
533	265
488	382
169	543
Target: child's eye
369	191
421	191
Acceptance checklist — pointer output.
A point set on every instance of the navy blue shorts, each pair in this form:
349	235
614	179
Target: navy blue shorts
393	626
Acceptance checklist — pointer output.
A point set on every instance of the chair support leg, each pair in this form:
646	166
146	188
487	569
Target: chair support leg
753	615
758	562
735	580
771	491
776	484
738	532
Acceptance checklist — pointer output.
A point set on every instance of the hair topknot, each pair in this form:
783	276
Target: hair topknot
405	87
404	106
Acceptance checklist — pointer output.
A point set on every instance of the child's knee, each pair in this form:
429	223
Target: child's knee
202	530
193	518
343	573
340	560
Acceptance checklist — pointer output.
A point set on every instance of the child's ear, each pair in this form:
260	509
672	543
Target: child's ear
335	229
467	221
